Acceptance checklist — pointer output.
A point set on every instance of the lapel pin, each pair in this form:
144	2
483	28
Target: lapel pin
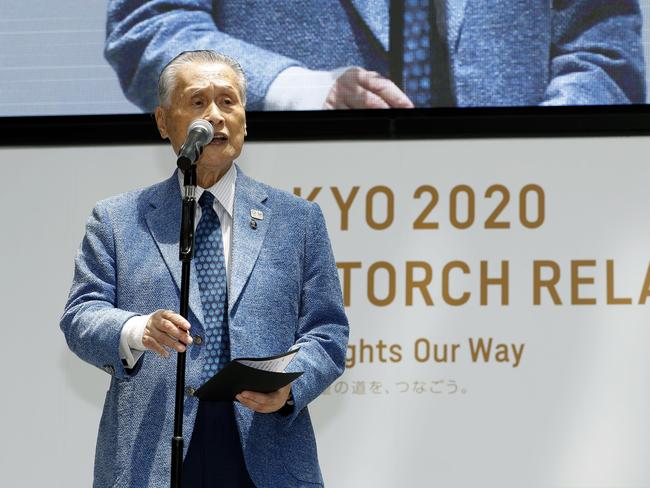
253	224
257	214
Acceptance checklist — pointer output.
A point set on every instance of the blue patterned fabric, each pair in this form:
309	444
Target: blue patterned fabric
211	276
502	52
283	293
417	52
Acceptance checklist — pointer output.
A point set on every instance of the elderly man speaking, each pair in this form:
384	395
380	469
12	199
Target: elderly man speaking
264	280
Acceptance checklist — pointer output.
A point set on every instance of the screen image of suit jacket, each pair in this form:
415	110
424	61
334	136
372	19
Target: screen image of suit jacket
501	52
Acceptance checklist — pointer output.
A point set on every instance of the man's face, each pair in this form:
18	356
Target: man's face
210	92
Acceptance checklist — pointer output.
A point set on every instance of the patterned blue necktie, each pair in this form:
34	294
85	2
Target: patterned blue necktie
417	52
211	273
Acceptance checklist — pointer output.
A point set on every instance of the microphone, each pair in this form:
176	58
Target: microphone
199	133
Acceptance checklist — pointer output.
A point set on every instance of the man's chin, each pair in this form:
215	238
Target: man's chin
214	154
212	162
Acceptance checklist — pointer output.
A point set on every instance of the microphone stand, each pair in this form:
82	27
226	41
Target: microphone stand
186	252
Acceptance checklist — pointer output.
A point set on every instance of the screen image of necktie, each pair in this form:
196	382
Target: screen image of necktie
418	56
211	276
417	52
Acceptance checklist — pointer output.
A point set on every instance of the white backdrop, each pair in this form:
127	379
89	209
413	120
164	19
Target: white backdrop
573	409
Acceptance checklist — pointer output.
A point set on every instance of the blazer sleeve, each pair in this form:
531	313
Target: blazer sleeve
144	35
91	321
596	53
323	328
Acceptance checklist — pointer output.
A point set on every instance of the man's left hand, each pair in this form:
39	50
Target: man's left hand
264	402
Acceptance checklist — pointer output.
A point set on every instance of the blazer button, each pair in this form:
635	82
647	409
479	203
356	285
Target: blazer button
253	224
190	391
109	369
198	340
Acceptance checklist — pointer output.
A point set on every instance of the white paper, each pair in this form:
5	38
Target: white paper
276	365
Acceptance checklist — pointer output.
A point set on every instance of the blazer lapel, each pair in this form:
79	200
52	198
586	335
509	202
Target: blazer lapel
164	222
247	237
375	15
455	13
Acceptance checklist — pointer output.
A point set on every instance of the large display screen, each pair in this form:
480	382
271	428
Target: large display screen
92	57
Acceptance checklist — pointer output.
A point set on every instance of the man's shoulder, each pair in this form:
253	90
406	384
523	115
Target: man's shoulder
283	198
278	199
135	201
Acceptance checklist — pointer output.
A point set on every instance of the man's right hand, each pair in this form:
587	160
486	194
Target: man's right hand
359	88
166	330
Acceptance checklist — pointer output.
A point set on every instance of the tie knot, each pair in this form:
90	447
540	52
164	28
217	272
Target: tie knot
206	201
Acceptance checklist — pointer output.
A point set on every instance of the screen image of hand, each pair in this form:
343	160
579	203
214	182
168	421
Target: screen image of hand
359	88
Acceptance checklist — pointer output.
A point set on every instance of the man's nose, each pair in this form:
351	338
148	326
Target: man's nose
214	115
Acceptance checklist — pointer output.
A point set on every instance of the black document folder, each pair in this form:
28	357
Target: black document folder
251	374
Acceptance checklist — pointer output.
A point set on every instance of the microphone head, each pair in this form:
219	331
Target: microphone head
203	126
199	133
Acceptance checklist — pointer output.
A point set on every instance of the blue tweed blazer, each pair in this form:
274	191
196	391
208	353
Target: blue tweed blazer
284	291
502	52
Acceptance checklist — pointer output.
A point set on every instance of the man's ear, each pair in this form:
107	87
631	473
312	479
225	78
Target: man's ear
161	122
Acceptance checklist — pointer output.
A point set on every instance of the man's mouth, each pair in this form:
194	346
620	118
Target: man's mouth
219	138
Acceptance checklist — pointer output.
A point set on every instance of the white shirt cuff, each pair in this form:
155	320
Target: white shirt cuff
131	347
298	88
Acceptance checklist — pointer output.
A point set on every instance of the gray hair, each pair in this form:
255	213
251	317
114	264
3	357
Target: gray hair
167	79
